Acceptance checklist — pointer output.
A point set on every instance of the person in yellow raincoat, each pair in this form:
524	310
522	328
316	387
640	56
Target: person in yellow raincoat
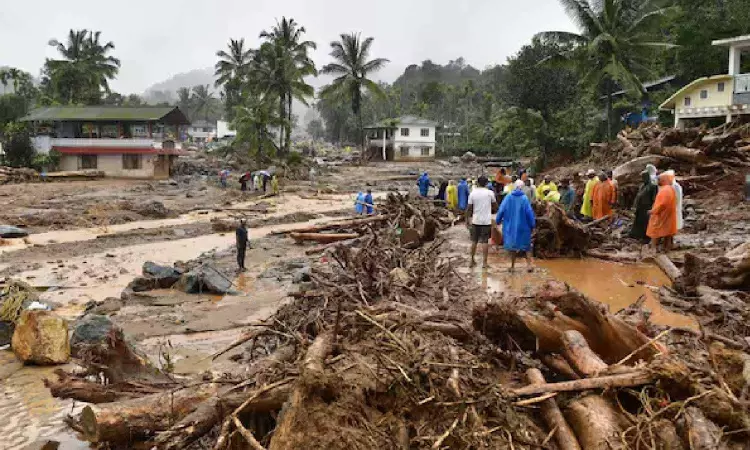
544	186
551	196
275	185
451	193
586	208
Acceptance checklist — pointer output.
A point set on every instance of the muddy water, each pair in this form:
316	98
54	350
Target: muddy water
617	285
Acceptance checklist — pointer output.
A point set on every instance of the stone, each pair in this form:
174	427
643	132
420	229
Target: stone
455	160
92	329
6	332
152	208
179	232
41	338
164	276
9	232
109	305
468	157
141	284
188	282
301	275
205	279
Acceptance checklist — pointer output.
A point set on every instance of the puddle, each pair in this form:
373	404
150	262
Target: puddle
617	285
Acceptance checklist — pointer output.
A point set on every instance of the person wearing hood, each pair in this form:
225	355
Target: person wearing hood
603	198
545	185
586	208
451	193
529	190
463	194
551	196
369	203
359	204
518	220
567	197
678	197
441	191
424	184
662	223
651	169
644	201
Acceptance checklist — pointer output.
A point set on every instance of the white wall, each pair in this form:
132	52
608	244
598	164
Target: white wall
415	136
112	165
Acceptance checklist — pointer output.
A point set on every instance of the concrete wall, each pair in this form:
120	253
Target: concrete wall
112	165
415	135
715	98
415	152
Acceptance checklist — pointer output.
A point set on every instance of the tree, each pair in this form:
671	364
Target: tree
614	43
203	100
12	108
21	82
253	120
352	69
185	101
232	71
84	70
17	147
315	129
284	61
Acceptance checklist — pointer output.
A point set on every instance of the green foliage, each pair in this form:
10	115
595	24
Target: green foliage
232	71
12	108
17	147
50	161
253	120
315	129
294	159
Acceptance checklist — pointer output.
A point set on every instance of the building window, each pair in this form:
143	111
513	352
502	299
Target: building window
425	151
206	129
721	87
132	162
110	131
405	132
89	130
687	101
140	130
404	151
424	132
704	94
88	162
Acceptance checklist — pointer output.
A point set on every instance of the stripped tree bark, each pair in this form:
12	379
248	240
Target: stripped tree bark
553	417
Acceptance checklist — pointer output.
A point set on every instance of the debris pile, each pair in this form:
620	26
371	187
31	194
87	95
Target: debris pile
14	175
390	347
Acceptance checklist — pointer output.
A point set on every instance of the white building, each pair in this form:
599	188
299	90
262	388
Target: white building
406	138
224	130
201	131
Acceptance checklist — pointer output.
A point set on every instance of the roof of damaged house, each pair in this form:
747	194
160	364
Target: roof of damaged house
166	114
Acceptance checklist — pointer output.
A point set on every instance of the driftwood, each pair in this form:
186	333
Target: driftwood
580	356
553	417
690	155
630	172
630	379
596	423
668	267
323	237
342	225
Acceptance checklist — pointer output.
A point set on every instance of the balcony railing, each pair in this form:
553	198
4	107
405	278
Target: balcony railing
741	89
43	144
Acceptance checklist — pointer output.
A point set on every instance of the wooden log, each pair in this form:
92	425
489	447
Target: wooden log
631	379
67	386
697	431
324	247
553	416
323	237
596	423
347	224
580	356
559	365
131	420
684	154
630	172
668	267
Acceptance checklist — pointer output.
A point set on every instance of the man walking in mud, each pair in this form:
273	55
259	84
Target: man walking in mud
241	234
479	218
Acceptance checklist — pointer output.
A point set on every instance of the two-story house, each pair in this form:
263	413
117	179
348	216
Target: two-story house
130	142
407	138
202	131
722	97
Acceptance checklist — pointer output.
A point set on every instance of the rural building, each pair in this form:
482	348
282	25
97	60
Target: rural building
224	130
130	142
406	138
202	131
715	98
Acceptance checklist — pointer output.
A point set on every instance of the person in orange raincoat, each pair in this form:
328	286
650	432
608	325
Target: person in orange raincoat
662	223
603	198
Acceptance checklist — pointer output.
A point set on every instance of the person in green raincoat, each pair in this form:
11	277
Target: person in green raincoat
644	201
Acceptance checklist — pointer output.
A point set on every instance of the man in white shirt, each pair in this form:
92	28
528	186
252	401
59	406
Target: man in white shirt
479	218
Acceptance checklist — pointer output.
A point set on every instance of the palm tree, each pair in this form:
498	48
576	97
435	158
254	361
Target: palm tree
203	100
85	68
184	100
231	71
613	45
287	63
352	69
253	119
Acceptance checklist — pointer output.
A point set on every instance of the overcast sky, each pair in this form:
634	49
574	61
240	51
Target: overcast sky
156	39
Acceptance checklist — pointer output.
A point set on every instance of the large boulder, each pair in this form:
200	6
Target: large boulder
152	208
41	338
204	279
164	276
468	157
92	329
7	231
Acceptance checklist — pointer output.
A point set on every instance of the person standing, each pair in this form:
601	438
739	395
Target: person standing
567	197
243	181
551	196
242	238
678	197
529	190
662	223
517	217
602	198
424	184
586	208
359	204
275	185
223	175
479	218
544	186
463	194
451	193
644	201
441	191
369	205
311	175
612	182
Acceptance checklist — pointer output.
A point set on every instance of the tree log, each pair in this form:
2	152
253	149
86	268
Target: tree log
698	433
668	267
67	386
580	356
596	423
553	417
680	153
559	365
323	237
343	225
630	172
635	378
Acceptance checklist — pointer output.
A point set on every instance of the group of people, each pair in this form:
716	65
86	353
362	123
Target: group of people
658	209
259	180
364	203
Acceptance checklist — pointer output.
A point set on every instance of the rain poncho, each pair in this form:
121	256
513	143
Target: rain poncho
543	187
552	196
644	201
663	220
463	195
530	192
603	196
568	199
359	207
518	221
441	191
651	169
452	195
424	184
678	194
275	185
368	203
587	196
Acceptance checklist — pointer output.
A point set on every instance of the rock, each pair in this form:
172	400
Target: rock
6	332
142	284
188	282
709	243
189	194
205	279
179	232
399	276
92	329
41	338
152	208
455	160
444	163
109	305
301	275
468	157
7	231
165	276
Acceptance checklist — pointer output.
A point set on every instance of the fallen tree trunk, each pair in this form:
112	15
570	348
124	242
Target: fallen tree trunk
580	356
668	267
596	423
559	365
690	155
697	431
344	225
67	386
553	416
323	237
631	379
630	172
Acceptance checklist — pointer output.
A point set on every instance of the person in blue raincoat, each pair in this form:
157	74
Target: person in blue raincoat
517	217
463	195
359	206
368	202
424	184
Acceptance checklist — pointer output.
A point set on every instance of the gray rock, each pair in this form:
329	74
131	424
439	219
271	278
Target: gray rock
179	232
301	275
109	305
152	208
188	282
455	160
205	279
6	332
141	284
8	231
468	157
92	329
164	276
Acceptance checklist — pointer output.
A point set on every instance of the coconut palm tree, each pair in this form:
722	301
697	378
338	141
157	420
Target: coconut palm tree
352	69
203	100
613	45
231	72
253	120
184	100
287	62
85	68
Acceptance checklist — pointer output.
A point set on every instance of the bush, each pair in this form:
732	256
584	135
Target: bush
17	147
294	159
